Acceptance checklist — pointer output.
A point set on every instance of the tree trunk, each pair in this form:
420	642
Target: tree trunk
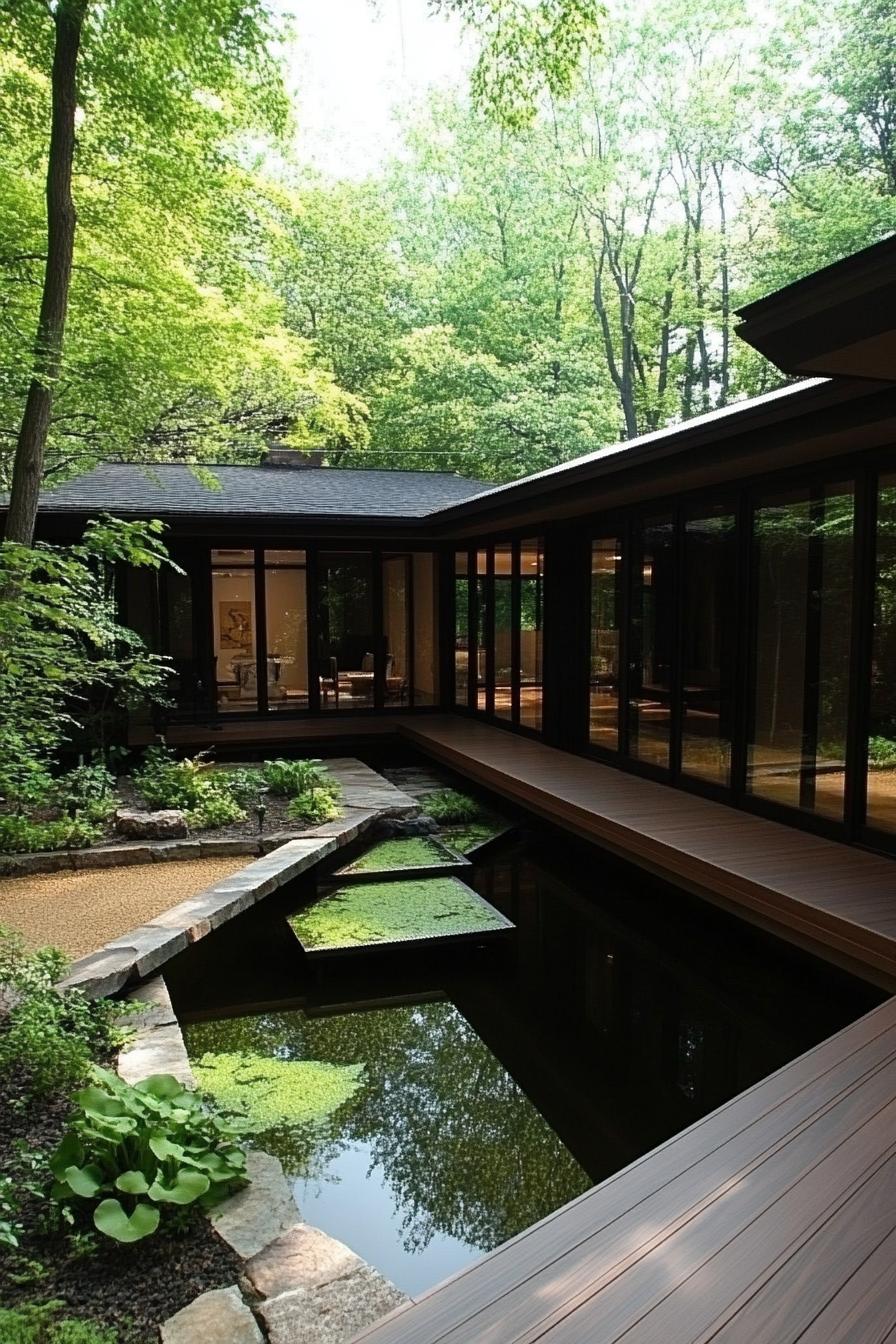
32	440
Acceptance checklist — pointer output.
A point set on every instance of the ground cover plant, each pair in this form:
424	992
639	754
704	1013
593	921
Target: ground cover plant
313	796
400	853
409	910
450	805
472	834
74	1138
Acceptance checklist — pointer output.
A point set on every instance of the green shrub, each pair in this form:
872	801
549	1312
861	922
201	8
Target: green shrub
316	806
51	1038
18	835
10	1227
134	1153
43	1325
449	805
88	789
289	779
881	752
214	809
247	786
204	795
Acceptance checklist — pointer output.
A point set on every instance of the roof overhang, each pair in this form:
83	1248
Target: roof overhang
839	321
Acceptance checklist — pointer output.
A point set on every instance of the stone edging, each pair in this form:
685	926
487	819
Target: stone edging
367	798
298	1283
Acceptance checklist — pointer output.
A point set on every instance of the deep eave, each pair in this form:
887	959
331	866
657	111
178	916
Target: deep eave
837	321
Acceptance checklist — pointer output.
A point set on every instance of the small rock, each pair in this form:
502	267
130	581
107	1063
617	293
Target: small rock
217	1317
253	1217
304	1257
332	1313
167	824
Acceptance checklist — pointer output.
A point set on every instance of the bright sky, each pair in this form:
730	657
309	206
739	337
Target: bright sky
352	62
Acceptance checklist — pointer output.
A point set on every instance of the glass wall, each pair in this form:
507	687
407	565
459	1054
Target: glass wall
286	608
396	629
802	564
345	623
709	633
426	628
651	640
461	628
483	631
881	771
504	630
531	633
606	619
234	636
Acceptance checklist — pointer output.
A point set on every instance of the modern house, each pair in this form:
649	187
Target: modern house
712	605
680	647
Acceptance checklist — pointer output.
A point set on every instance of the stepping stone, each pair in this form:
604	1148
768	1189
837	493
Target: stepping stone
332	1313
257	1215
304	1257
217	1317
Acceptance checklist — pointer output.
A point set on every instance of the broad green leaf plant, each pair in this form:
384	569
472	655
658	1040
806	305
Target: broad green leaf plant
133	1155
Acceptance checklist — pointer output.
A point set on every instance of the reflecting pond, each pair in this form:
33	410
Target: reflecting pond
431	1103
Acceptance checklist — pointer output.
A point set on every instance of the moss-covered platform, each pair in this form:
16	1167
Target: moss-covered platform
364	915
403	856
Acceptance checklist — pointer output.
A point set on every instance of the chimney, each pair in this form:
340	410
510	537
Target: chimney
278	456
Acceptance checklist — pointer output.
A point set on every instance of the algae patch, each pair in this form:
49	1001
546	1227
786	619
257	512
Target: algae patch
400	854
273	1093
465	838
412	910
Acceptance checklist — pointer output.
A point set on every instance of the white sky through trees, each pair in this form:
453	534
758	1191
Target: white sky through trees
352	62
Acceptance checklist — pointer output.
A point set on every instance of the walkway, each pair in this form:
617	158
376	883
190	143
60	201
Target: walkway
832	898
771	1221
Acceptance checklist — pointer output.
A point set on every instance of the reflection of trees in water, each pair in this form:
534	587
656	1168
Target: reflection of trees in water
463	1150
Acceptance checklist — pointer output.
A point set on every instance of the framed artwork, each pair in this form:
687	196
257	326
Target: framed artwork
235	624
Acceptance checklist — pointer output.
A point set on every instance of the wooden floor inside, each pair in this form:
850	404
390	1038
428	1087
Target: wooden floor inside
770	1221
831	898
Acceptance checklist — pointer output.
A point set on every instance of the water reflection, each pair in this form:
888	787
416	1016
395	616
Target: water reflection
456	1158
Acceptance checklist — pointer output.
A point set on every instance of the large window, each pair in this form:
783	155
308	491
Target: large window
234	626
606	617
709	630
397	628
651	641
483	630
346	635
802	561
425	628
531	633
881	776
504	624
286	608
461	628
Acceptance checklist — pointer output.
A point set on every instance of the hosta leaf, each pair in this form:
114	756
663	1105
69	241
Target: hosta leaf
161	1148
110	1218
84	1180
69	1153
96	1102
186	1187
162	1086
132	1183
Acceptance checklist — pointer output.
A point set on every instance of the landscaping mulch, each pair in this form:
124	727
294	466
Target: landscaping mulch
131	1288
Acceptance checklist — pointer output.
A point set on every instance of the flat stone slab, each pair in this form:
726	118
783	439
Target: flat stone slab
102	973
332	1313
252	1218
156	1050
112	856
303	1257
151	946
154	1003
217	1317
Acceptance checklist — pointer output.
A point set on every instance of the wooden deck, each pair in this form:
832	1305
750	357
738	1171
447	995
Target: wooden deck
834	899
770	1221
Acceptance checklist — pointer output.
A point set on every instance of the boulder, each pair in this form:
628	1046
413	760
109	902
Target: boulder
217	1317
260	1213
167	824
332	1313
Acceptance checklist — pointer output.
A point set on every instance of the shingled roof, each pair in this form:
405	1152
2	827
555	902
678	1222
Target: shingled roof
312	492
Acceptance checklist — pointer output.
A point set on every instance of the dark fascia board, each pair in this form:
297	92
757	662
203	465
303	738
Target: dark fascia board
810	326
585	474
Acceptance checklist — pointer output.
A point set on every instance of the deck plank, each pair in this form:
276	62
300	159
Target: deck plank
837	899
773	1219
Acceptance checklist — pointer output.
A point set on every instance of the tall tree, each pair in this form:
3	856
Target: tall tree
178	57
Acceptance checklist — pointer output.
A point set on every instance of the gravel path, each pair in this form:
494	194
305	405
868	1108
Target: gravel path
80	911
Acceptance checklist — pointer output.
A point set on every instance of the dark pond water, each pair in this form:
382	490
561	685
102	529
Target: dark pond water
435	1104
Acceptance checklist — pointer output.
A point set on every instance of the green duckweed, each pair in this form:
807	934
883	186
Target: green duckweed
275	1092
464	838
411	851
385	912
